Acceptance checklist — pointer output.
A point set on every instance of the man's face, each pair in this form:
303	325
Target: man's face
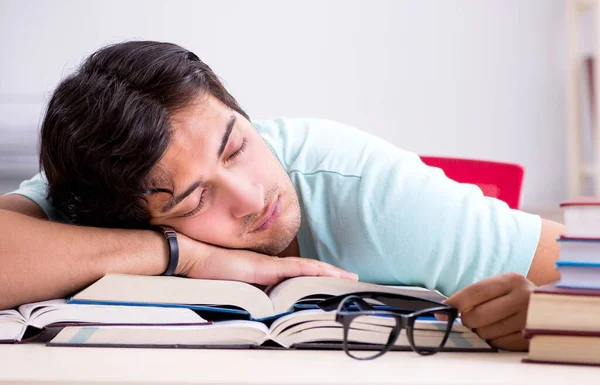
229	188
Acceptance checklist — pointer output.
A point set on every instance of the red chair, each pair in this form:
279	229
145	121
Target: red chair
499	180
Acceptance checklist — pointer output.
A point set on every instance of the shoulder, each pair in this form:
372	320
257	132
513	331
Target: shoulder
36	189
304	134
311	145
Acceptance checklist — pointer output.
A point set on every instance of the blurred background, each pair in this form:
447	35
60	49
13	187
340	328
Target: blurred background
479	79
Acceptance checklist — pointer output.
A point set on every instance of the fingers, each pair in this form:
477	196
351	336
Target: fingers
495	310
507	326
272	270
514	342
294	266
261	269
481	291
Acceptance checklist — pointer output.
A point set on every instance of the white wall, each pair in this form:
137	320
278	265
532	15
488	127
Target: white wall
464	78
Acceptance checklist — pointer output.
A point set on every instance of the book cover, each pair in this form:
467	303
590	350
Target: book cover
581	201
552	288
530	333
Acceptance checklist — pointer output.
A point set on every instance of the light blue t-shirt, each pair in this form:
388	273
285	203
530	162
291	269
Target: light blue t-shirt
376	210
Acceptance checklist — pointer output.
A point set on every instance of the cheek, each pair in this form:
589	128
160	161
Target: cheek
210	227
264	168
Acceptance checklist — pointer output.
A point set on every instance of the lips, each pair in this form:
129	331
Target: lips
269	217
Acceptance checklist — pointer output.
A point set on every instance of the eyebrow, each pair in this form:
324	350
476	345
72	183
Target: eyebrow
176	199
225	139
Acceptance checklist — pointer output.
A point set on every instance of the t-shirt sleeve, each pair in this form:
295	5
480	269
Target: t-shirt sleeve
36	189
436	232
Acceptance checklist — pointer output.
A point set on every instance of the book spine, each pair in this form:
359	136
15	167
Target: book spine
530	333
534	361
591	265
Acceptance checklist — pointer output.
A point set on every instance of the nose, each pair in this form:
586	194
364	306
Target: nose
244	197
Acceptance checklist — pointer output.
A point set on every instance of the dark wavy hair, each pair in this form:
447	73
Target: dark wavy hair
109	123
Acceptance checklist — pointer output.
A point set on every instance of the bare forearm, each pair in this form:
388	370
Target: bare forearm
40	259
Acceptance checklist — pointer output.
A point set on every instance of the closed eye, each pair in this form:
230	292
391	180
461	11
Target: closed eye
197	209
231	157
239	151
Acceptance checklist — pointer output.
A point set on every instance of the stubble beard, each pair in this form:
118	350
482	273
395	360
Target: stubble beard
285	234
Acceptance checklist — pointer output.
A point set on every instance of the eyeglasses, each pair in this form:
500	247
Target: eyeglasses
370	331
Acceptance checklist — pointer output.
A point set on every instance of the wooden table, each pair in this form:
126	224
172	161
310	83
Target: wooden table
38	364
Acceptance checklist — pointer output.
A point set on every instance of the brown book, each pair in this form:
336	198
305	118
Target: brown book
563	326
563	347
553	308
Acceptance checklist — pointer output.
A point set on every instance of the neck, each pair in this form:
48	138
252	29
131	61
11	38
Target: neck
293	250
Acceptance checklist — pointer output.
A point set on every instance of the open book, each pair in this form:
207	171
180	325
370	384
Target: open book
31	320
241	315
312	328
235	299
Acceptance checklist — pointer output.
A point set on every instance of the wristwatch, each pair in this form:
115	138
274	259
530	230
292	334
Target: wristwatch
171	237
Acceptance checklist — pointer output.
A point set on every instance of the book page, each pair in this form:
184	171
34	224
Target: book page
221	333
308	316
12	325
318	326
42	314
321	331
28	309
287	293
138	289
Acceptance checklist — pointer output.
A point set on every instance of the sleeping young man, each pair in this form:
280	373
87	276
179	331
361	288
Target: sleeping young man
145	134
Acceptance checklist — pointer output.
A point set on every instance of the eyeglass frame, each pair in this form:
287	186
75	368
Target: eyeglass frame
403	320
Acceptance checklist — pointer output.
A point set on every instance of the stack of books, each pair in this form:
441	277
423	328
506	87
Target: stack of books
563	319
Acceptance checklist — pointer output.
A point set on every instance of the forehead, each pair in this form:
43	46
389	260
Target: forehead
196	132
200	118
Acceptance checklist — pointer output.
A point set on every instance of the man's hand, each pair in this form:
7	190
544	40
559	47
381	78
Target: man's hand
198	260
496	308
